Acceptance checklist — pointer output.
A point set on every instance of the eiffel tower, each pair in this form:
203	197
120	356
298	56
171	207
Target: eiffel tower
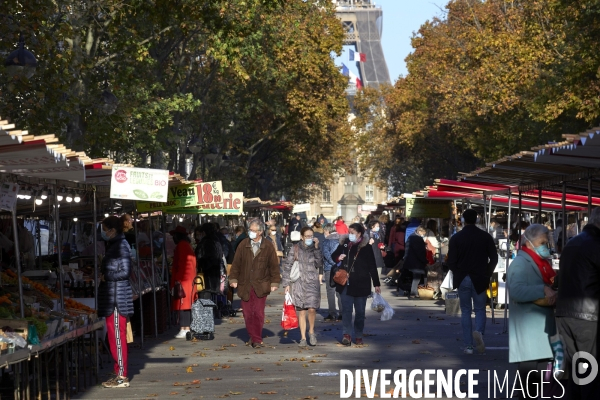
363	21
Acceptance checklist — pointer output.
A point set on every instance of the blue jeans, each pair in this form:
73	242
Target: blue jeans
469	300
359	304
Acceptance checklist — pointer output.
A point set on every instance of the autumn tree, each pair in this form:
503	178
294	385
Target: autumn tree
248	85
490	78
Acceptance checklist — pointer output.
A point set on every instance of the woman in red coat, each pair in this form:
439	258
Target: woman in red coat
184	271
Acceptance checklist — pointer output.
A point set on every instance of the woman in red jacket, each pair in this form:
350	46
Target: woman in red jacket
184	271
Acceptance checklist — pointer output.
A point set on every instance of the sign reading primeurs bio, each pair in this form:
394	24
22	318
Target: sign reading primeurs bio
139	184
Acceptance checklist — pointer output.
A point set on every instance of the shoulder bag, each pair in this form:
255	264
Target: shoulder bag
295	272
341	276
177	291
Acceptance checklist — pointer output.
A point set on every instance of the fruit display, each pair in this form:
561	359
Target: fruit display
39	302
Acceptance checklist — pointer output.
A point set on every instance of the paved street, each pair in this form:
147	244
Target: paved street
419	336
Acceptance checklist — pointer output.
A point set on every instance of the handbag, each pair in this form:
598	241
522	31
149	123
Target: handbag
341	276
199	281
295	272
177	291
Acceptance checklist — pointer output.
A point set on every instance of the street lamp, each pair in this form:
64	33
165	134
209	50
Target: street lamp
21	62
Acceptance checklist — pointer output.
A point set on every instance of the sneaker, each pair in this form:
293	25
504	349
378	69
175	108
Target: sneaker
329	318
478	341
302	343
117	382
469	350
347	340
387	280
312	339
358	341
256	345
181	335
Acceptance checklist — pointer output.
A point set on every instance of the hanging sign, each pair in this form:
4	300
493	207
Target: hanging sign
139	184
202	193
8	196
232	203
424	208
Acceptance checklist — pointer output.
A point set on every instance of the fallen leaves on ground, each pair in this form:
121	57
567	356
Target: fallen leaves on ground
256	369
152	395
235	393
189	370
213	379
320	355
171	348
271	392
174	393
215	365
225	366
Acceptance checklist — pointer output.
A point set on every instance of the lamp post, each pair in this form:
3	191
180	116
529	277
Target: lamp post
21	62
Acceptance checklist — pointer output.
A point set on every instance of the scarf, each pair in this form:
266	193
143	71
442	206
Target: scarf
543	265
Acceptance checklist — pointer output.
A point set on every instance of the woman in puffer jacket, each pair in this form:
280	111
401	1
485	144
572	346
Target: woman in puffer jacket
306	291
115	298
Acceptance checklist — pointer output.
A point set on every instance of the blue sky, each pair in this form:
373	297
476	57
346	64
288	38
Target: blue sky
400	19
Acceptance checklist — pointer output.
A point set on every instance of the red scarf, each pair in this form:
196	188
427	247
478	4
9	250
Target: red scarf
543	265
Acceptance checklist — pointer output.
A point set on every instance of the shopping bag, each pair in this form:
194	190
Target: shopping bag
129	333
289	319
380	305
448	282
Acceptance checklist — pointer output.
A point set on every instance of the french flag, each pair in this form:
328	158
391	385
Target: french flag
360	57
353	78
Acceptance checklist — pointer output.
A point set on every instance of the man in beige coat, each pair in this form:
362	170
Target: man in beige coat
255	274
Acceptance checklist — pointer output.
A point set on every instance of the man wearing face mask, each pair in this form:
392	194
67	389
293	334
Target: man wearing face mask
255	274
472	258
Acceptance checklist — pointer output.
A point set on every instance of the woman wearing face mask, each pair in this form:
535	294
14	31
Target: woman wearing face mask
184	271
357	258
115	296
376	241
531	322
306	291
272	237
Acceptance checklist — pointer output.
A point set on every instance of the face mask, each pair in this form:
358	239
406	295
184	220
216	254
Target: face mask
104	235
273	232
252	235
542	250
376	229
352	237
308	242
159	241
462	220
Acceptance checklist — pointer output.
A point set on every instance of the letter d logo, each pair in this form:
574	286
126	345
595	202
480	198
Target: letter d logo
584	371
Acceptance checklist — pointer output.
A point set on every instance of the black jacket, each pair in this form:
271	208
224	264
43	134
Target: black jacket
472	252
115	290
416	255
579	276
364	269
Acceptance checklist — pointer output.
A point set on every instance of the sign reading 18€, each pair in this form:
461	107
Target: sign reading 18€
139	184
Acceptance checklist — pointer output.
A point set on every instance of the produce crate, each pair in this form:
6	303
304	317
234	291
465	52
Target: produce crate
18	326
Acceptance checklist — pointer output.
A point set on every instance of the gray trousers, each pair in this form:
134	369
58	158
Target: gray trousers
331	296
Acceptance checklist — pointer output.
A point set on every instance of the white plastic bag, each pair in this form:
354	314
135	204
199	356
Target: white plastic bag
448	282
380	305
